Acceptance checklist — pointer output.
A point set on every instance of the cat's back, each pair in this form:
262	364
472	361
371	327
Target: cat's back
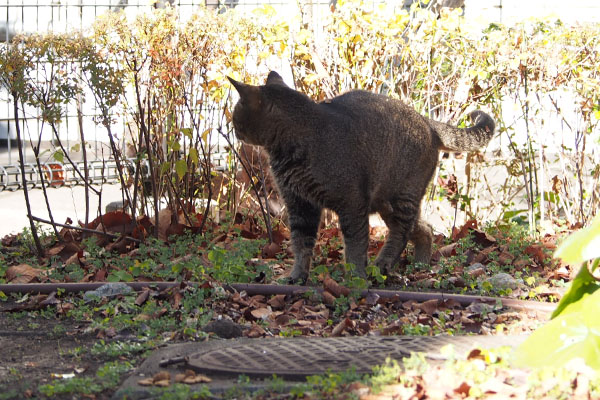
376	113
357	101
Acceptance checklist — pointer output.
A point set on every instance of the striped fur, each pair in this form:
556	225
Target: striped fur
356	154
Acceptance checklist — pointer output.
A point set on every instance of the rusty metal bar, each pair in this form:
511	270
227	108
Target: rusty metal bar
267	290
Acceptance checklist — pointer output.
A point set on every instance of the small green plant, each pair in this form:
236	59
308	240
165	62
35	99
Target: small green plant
290	332
118	349
107	376
179	391
232	265
416	330
331	382
58	330
384	374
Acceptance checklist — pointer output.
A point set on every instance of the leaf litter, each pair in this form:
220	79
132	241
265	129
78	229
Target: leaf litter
460	264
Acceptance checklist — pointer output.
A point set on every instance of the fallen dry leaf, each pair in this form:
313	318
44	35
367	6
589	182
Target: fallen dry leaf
335	288
142	297
536	251
22	273
161	379
190	377
429	306
448	250
342	326
191	380
255	331
271	250
261	313
277	301
328	298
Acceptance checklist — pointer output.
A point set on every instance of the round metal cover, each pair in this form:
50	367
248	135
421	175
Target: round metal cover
299	357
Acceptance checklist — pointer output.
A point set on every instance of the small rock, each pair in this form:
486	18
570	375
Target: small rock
474	267
114	206
456	281
480	308
107	290
224	328
502	281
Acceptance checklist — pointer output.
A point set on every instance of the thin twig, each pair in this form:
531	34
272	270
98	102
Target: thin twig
87	230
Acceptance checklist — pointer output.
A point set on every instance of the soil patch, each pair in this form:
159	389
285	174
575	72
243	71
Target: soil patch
36	351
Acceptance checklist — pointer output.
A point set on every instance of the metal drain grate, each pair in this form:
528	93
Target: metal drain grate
299	357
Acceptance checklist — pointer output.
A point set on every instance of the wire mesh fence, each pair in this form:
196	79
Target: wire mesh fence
31	16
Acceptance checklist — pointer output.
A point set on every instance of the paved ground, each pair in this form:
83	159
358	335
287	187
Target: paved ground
70	202
65	202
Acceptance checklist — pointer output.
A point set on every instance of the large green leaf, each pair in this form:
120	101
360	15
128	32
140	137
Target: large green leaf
584	283
575	333
181	168
582	245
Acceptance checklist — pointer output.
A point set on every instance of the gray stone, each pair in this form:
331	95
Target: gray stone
114	206
107	290
224	328
502	281
475	266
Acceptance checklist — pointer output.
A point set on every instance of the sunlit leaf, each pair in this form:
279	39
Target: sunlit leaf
187	132
575	333
582	245
59	156
583	284
194	155
181	168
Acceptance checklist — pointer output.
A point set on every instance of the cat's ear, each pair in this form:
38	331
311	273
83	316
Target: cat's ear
275	79
249	94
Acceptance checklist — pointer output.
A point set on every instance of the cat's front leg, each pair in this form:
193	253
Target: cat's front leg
355	228
304	219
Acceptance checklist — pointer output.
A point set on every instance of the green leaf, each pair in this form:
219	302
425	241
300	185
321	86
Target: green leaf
187	132
175	146
583	284
59	156
181	168
582	245
508	215
575	333
194	155
119	276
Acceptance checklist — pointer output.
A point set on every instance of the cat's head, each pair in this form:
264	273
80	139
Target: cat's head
255	111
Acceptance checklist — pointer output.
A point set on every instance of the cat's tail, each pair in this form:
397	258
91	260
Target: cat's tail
465	139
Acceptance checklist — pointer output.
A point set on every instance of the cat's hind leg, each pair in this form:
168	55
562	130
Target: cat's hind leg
355	228
304	218
401	219
422	238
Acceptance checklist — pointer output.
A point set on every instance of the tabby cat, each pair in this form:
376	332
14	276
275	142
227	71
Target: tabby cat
356	154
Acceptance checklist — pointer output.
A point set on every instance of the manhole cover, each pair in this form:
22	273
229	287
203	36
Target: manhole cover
299	357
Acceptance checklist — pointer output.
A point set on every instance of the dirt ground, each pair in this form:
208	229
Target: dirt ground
34	351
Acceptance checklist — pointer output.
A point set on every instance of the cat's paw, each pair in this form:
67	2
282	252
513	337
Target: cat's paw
297	277
386	266
361	273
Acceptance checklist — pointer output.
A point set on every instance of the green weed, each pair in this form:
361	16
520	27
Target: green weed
108	376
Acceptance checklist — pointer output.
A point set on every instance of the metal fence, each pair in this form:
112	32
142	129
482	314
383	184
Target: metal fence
18	16
67	15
